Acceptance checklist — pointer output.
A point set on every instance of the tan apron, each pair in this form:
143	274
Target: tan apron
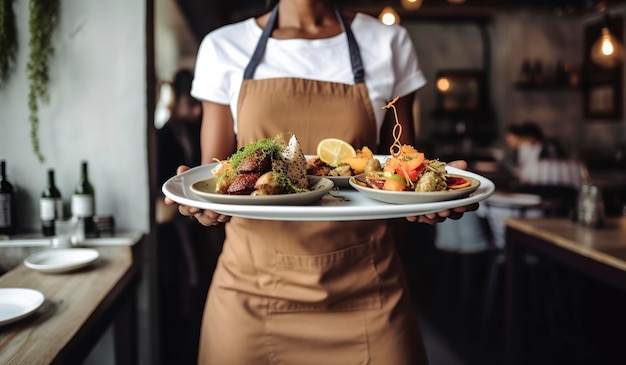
308	292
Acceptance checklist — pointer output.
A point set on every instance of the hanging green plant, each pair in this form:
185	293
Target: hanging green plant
8	39
43	14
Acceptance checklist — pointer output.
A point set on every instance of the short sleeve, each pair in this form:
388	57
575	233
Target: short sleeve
408	74
210	82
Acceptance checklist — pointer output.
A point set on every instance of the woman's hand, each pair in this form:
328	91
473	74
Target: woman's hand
454	213
205	217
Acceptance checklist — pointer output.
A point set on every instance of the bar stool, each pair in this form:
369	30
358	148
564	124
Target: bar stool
533	201
464	241
495	209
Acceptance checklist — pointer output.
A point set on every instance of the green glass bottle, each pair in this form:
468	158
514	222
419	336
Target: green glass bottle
7	203
50	206
83	201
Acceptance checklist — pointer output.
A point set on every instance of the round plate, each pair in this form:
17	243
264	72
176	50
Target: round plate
17	303
319	187
340	181
412	197
336	205
61	259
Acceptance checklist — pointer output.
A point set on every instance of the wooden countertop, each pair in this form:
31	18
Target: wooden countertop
78	307
606	245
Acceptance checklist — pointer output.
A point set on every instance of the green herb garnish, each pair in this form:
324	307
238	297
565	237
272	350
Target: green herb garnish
267	145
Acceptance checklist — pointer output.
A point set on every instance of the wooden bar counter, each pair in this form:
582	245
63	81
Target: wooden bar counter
598	253
79	306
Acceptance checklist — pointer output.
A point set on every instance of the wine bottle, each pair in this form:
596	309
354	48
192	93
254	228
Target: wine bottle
50	206
83	201
7	202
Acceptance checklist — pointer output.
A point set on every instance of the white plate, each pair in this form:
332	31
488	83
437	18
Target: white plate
340	181
337	205
319	187
412	197
17	303
61	259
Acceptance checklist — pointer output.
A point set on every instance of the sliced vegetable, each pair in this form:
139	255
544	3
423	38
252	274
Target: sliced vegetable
394	185
411	175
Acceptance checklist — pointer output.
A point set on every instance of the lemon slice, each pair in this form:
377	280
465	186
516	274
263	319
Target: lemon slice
332	151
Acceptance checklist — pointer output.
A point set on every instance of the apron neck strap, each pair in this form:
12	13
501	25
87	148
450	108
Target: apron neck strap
355	54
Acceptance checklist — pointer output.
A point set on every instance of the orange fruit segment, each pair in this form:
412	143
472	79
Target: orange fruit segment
460	186
356	163
333	151
365	153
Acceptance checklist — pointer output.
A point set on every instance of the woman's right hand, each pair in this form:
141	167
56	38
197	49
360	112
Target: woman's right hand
205	217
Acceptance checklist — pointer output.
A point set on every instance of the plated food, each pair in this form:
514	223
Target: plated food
274	171
338	158
268	166
410	197
342	205
407	169
318	187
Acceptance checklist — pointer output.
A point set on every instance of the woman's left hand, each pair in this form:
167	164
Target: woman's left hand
454	213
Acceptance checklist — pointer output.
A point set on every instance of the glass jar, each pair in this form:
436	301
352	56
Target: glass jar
590	211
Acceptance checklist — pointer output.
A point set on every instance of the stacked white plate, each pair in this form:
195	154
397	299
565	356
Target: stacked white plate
61	260
17	303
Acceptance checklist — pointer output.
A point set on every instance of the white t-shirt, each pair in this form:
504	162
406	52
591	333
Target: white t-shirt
387	52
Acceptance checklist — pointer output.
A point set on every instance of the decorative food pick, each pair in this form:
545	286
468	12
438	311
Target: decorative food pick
407	169
396	147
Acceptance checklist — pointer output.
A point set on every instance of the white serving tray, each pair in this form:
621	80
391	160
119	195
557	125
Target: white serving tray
338	205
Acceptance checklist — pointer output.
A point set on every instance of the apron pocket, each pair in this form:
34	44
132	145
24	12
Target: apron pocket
341	280
330	338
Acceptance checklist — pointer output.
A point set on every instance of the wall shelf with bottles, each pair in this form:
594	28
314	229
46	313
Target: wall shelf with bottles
535	76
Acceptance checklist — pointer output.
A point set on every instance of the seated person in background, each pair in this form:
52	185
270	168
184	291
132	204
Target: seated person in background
528	145
547	181
535	160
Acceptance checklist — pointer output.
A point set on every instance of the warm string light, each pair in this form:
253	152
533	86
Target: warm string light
389	16
411	4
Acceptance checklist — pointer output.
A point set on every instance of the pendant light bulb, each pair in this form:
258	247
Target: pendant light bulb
607	51
443	84
411	4
389	16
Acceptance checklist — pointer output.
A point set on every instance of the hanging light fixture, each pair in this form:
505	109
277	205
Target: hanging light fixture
389	16
607	51
456	2
411	4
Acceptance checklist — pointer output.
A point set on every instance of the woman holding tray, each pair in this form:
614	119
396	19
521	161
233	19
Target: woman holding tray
307	292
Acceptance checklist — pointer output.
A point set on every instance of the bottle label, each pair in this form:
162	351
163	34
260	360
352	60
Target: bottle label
82	205
51	209
58	207
5	210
